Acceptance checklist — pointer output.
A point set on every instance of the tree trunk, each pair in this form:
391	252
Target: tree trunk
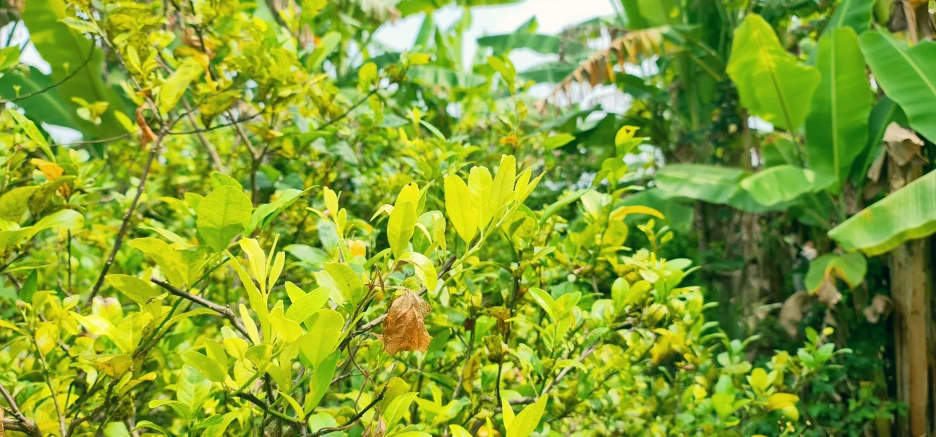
911	289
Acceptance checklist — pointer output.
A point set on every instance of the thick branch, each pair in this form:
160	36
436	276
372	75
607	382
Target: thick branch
21	422
224	311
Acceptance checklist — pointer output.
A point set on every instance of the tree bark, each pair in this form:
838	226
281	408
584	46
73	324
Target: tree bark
911	288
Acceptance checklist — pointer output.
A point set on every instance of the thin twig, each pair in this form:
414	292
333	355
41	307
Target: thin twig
353	420
552	383
125	225
215	158
352	108
29	426
217	126
370	325
266	408
64	79
224	311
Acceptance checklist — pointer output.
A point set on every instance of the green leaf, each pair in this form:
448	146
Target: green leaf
502	188
174	87
548	73
288	329
563	201
556	141
907	75
543	44
783	183
323	336
9	57
545	301
850	268
321	380
525	422
144	424
327	45
135	288
48	107
264	214
480	184
881	116
192	389
367	74
906	214
31	130
219	180
14	203
346	280
179	266
699	182
444	77
771	82
855	14
222	215
461	208
67	50
66	218
425	270
400	227
724	404
304	304
210	368
836	129
659	12
397	408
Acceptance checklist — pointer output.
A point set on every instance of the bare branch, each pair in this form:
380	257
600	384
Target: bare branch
224	311
27	425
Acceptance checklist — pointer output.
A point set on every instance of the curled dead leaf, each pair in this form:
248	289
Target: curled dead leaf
146	134
376	429
405	326
880	308
901	144
828	293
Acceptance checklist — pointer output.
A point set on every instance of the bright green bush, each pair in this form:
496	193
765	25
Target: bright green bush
365	264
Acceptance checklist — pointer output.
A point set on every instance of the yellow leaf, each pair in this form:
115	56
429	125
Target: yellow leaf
624	211
778	401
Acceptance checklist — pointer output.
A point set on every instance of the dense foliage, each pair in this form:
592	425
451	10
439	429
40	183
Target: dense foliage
271	225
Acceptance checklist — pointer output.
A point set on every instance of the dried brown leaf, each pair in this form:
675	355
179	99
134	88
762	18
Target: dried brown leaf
880	307
146	134
902	144
632	46
791	313
405	326
828	293
376	429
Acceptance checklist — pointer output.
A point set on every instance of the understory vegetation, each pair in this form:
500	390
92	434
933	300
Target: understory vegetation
239	218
